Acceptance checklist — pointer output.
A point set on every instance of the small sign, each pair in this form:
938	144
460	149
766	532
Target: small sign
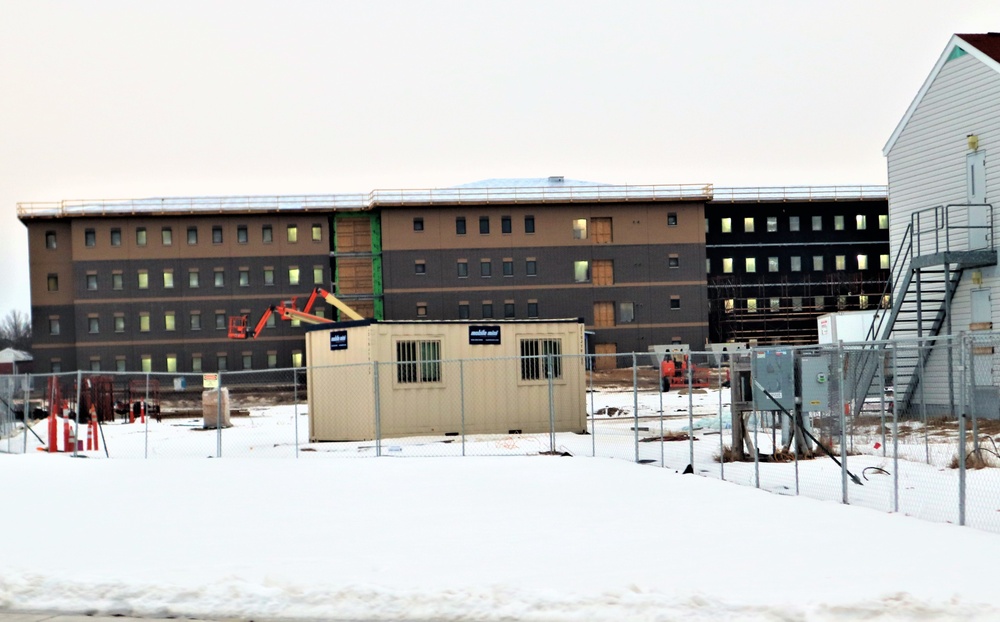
484	335
210	381
338	339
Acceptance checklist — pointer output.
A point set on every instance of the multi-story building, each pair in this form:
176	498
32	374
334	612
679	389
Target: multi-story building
779	257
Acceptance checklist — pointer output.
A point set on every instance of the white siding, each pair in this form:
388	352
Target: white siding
926	168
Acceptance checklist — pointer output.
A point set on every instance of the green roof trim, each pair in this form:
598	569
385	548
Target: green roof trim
956	52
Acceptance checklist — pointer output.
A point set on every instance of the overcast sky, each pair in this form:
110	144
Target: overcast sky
121	99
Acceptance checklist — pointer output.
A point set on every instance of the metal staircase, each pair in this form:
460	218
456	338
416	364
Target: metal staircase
938	246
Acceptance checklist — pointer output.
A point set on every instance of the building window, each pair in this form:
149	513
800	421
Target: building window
169	321
533	308
818	263
418	361
863	301
729	304
54	325
119	323
216	235
675	303
485	268
861	221
196	363
317	233
883	262
727	265
673	261
463	268
89	237
143	279
796	303
172	363
508	267
819	302
293	275
817	223
50	239
751	264
508	309
268	276
267	234
193	280
751	305
487	310
194	320
220	277
119	363
505	226
140	236
748	224
92	282
168	278
242	236
862	262
530	267
460	225
144	322
793	223
541	359
167	236
318	274
671	219
796	264
841	303
484	224
244	276
775	305
116	237
581	271
772	264
297	358
883	221
626	312
192	235
529	224
463	310
838	223
840	262
272	359
420	267
220	320
727	225
418	224
580	229
93	325
95	363
772	224
222	362
146	363
708	265
247	360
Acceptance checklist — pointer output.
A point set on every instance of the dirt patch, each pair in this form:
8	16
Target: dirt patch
669	436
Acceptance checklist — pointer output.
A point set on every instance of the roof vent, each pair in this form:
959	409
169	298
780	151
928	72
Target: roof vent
556	179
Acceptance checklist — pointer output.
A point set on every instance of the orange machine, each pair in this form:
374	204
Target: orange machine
239	325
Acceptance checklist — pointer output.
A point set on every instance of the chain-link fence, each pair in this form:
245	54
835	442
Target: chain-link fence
902	426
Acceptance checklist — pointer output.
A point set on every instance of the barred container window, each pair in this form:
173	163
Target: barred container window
418	361
535	361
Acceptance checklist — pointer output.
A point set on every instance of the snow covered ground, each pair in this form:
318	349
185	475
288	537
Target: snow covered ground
504	534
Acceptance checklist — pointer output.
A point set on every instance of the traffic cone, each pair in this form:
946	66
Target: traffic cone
93	429
53	432
90	436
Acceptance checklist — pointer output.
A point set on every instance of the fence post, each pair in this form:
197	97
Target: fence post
549	372
145	419
593	415
690	366
971	384
218	418
722	447
295	407
881	410
461	395
76	434
378	414
26	387
961	445
635	404
895	429
842	407
659	390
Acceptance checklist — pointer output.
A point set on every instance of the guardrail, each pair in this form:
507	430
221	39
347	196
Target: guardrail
799	193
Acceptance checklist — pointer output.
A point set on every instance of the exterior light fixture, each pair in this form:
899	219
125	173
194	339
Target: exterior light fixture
973	141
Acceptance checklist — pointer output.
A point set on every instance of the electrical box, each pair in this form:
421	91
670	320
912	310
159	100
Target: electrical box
816	379
774	370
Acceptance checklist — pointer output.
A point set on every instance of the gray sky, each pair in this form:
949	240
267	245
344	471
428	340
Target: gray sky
119	99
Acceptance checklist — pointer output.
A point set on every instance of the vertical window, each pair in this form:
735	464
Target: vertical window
626	312
93	325
217	235
533	308
838	223
729	304
220	320
793	223
193	278
140	236
143	321
580	229
508	266
242	235
220	277
222	362
748	224
418	225
675	303
751	264
817	262
196	363
267	234
268	276
297	358
168	278
529	224
50	239
463	268
54	325
92	281
530	267
727	225
317	233
601	233
508	309
116	237
487	309
318	273
167	236
460	225
247	360
673	261
420	266
541	359
244	276
117	281
751	305
194	320
602	272
883	221
418	361
192	235
485	268
172	363
146	363
484	224
772	264
581	271
772	224
708	265
796	303
863	301
861	221
796	264
841	303
119	322
89	237
862	262
817	223
505	226
775	305
272	359
840	262
671	219
119	363
883	262
293	275
463	310
727	265
169	321
143	279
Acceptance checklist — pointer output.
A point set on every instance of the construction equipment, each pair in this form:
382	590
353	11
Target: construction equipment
239	325
674	370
